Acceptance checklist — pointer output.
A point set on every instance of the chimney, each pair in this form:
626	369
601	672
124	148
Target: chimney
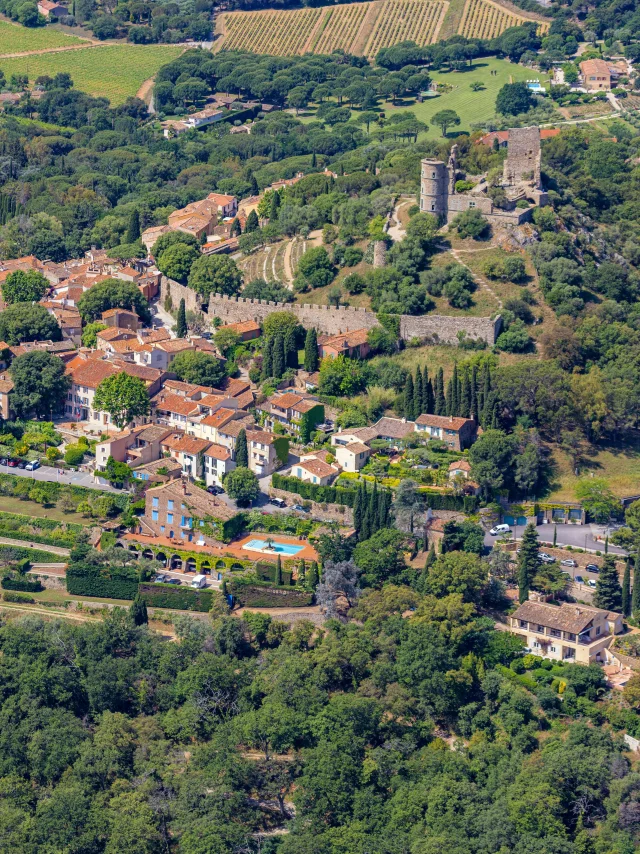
184	487
451	419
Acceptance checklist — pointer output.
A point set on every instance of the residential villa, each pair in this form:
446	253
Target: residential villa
136	447
569	632
288	409
178	510
354	344
457	433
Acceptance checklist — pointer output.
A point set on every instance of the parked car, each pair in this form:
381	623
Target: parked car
173	581
546	558
579	579
199	581
565	574
32	466
568	562
278	502
591	583
215	490
21	464
592	567
299	508
499	529
13	464
160	578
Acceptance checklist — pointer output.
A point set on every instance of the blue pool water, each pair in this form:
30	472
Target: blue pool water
278	548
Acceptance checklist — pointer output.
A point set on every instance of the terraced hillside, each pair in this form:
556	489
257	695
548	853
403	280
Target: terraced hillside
363	28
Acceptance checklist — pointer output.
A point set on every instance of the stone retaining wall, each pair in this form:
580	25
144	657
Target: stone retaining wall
332	513
329	320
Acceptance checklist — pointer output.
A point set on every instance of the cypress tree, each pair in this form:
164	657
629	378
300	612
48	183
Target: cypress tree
486	386
608	595
133	227
311	351
417	394
555	535
527	562
255	189
314	160
424	391
302	569
313	576
495	420
465	397
440	403
138	611
181	323
357	509
373	509
626	589
275	206
236	228
279	361
267	359
430	397
365	525
431	557
291	349
252	223
635	595
241	449
384	504
453	404
474	393
408	399
278	571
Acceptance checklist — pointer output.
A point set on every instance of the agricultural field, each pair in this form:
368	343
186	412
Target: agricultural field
285	33
17	39
485	19
340	27
115	72
469	105
406	20
363	28
266	263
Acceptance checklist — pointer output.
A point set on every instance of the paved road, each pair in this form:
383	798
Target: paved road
54	475
578	536
26	544
160	317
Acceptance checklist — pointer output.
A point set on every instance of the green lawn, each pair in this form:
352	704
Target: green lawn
115	72
618	464
8	504
471	106
17	39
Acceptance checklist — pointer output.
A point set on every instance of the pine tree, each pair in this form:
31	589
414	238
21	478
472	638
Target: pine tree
311	351
608	595
181	323
626	589
133	227
408	399
252	223
279	361
138	611
241	449
635	594
417	394
278	578
313	576
267	358
527	561
440	403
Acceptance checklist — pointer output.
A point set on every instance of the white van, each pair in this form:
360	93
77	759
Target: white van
199	581
499	529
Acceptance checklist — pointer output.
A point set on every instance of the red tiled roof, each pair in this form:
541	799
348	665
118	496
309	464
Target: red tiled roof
445	421
217	452
90	372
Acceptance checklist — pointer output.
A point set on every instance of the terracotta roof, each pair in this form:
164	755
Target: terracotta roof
356	447
234	427
174	345
285	401
174	403
208	400
163	462
90	372
595	66
318	468
261	436
347	339
126	345
461	465
217	452
244	400
234	387
184	389
219	418
113	311
6	385
113	333
191	445
567	618
170	442
149	375
197	500
243	326
363	434
151	336
220	198
445	421
393	427
152	432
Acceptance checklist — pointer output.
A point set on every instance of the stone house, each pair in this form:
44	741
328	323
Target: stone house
6	387
352	456
457	433
158	471
596	75
136	447
178	509
315	471
189	452
121	318
569	632
288	409
246	329
354	344
217	462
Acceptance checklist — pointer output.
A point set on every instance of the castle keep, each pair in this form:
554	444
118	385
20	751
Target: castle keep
510	203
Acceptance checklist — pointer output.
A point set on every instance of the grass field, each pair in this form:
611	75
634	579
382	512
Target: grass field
470	106
17	39
8	504
619	465
115	72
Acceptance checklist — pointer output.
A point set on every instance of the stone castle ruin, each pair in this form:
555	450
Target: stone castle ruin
521	183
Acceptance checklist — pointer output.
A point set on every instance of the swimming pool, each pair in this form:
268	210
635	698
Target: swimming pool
276	547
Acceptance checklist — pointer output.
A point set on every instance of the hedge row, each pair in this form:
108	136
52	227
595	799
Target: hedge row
104	582
26	585
259	596
313	492
32	555
54	490
41	523
177	598
10	596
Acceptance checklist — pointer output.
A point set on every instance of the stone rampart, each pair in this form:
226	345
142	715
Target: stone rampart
329	320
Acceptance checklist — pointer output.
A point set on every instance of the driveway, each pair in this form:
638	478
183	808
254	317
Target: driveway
160	317
578	536
54	475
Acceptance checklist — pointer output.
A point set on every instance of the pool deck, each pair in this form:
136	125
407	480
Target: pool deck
234	549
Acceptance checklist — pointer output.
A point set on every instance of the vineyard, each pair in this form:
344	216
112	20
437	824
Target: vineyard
340	27
485	19
274	32
17	39
363	28
404	20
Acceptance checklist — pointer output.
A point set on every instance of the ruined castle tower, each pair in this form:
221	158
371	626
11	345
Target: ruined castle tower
523	157
434	187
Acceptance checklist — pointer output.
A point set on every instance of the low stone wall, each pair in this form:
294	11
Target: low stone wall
329	320
332	513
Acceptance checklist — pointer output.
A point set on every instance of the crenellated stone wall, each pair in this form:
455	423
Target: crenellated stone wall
329	320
